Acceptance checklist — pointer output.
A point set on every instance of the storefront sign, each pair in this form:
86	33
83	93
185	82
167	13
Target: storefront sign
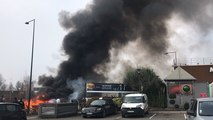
107	87
203	95
211	69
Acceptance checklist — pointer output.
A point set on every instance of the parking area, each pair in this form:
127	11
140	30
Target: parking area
153	115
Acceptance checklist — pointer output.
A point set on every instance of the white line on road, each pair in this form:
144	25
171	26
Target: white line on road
152	116
33	117
117	118
185	116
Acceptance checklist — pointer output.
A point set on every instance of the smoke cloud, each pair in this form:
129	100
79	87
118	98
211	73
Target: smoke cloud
111	35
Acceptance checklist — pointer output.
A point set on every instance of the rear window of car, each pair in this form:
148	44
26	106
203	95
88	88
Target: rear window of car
206	108
98	102
8	107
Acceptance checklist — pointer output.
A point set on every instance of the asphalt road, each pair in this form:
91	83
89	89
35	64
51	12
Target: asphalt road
155	115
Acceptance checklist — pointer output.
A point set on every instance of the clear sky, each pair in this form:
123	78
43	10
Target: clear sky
16	36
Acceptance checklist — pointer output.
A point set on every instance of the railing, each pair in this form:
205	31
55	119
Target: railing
196	61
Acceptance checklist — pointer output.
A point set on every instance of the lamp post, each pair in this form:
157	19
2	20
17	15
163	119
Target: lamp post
175	61
31	65
139	77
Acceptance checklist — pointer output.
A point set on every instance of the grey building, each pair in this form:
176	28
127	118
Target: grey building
186	82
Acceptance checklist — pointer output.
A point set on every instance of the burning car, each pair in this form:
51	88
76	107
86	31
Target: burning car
99	108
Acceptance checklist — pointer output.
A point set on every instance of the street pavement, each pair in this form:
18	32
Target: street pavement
153	115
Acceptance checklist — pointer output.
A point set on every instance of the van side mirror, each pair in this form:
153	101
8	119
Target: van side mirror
191	112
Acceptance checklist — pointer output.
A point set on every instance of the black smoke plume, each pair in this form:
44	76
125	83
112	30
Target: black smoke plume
107	24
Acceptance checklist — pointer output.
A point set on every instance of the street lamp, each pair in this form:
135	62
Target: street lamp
31	66
175	61
139	74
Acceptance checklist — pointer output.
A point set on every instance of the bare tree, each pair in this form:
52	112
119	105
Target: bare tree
19	86
3	86
10	87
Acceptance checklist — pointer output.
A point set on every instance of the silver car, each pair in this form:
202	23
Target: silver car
200	109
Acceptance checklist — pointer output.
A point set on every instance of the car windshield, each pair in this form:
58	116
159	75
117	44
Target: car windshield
134	99
8	108
206	108
98	102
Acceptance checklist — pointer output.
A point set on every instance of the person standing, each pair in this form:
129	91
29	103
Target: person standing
21	102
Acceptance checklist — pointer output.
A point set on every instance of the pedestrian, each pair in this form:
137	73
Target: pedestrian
21	102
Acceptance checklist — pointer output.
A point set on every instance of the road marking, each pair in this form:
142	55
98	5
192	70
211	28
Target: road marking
185	116
152	116
33	117
117	118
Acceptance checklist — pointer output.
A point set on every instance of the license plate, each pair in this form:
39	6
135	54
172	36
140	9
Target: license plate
130	111
89	113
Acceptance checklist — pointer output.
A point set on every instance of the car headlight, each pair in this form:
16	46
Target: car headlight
140	106
83	109
123	106
99	109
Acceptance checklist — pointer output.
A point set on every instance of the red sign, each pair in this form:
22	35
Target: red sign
203	95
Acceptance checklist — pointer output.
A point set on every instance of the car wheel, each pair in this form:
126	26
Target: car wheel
123	115
103	113
84	116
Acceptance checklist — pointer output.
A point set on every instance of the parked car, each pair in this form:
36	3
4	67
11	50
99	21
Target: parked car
200	109
99	108
134	104
11	111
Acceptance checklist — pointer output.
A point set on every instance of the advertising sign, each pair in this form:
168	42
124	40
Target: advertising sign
181	89
107	87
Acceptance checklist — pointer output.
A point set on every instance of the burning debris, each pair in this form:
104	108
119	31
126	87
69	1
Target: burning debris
113	24
34	103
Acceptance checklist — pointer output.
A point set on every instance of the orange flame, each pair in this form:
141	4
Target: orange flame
34	103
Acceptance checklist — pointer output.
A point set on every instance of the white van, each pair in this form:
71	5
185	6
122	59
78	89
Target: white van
134	104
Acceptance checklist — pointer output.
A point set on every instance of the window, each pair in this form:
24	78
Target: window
193	105
98	102
11	108
2	108
135	99
206	108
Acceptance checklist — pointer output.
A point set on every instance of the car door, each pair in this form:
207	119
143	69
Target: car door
193	109
113	107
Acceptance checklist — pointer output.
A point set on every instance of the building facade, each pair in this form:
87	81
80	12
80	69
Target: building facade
187	82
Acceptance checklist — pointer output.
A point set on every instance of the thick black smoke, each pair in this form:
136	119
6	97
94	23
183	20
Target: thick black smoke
113	23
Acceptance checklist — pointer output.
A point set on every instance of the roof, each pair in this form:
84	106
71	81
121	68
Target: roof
180	75
133	95
205	99
202	73
199	73
8	103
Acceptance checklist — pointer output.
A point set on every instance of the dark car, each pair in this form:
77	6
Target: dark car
99	108
11	111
